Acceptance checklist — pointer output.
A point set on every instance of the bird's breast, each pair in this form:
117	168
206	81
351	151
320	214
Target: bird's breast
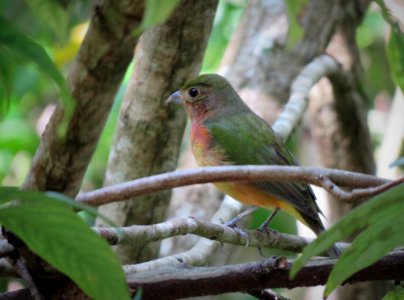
203	148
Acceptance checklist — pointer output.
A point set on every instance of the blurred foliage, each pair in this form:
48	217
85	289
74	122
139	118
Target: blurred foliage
156	13
227	16
295	9
380	224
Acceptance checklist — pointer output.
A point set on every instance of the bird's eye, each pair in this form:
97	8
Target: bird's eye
193	92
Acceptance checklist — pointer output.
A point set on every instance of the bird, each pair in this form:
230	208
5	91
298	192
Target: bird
225	131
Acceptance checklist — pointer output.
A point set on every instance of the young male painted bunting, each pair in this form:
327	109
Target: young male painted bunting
226	132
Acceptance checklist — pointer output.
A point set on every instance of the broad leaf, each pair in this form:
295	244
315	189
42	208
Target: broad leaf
8	193
53	231
19	43
380	220
156	13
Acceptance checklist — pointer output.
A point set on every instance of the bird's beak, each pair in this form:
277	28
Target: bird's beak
175	98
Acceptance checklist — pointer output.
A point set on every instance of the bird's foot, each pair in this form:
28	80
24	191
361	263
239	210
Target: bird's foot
264	228
239	231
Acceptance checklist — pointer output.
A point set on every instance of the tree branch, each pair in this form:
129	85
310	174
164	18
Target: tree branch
326	178
182	282
321	66
213	231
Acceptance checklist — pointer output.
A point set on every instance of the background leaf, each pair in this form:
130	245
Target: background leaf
51	12
396	294
53	231
6	82
294	8
381	221
19	43
395	54
156	12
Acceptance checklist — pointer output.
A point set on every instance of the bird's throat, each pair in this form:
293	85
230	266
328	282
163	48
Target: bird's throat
196	111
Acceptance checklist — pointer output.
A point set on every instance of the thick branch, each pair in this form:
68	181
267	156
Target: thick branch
271	273
316	176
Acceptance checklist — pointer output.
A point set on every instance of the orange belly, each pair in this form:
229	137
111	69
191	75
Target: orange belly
251	195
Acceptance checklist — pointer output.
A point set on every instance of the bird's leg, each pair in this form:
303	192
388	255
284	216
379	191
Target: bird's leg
233	222
264	226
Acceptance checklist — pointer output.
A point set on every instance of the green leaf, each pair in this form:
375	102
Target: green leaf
371	245
18	135
156	13
52	13
8	193
395	46
294	9
381	222
54	232
396	294
19	43
6	82
395	55
387	16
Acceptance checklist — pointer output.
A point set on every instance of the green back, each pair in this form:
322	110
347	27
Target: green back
247	139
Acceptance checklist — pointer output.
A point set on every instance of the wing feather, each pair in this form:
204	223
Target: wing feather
255	143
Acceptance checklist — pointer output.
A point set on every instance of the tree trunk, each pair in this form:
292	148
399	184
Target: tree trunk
61	161
149	132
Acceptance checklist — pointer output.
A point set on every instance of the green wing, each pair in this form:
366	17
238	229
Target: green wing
246	139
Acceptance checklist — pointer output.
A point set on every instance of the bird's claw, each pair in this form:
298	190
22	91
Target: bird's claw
266	229
239	231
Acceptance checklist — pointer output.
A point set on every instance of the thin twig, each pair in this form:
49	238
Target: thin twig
317	176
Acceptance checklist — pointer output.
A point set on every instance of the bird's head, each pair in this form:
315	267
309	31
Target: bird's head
206	96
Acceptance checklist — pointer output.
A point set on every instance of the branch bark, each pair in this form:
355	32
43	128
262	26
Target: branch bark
366	185
174	283
213	231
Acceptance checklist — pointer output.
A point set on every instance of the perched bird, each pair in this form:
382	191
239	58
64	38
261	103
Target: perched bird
225	131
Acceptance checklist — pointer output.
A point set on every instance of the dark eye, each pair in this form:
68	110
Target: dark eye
193	92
